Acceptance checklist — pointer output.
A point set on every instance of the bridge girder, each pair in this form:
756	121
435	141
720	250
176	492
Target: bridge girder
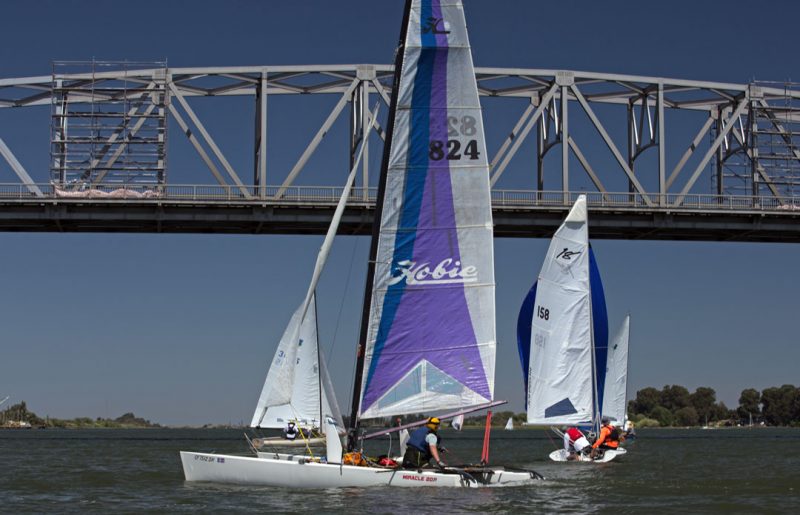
615	122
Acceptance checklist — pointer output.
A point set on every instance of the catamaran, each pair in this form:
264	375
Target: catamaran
562	334
427	339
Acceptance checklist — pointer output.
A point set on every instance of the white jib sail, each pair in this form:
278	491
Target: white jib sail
614	400
306	394
279	384
560	375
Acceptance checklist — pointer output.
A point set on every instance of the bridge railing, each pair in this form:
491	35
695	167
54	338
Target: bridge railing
329	195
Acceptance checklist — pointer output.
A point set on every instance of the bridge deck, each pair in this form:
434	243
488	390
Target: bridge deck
308	210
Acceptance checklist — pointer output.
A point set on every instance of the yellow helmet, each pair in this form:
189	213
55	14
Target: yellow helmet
433	423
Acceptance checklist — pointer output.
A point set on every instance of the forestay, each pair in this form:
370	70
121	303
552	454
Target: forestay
614	402
430	342
560	375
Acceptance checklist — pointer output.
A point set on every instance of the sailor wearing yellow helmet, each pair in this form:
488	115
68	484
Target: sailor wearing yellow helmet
423	446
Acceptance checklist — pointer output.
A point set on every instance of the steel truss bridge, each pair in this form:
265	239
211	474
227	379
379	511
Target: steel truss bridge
658	158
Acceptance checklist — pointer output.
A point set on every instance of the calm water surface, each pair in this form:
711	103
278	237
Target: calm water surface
712	471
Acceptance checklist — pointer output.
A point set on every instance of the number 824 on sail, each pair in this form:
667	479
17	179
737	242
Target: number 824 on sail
463	126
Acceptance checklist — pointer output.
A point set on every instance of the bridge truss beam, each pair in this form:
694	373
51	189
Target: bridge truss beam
618	130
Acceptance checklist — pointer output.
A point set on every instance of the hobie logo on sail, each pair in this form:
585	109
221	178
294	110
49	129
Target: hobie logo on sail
446	272
436	26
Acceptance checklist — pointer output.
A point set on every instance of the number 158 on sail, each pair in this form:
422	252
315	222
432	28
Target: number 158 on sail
542	312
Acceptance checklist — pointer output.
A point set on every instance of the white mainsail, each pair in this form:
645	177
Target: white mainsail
510	424
561	374
430	342
616	388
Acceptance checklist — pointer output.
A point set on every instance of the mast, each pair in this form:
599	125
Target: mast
596	397
319	367
627	360
376	225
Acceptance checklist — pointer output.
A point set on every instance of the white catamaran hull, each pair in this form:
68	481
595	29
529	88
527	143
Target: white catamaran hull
296	472
561	455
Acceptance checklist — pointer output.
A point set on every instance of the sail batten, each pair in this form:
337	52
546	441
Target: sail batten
430	339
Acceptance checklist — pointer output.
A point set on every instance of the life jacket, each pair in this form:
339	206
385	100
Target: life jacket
417	441
290	432
574	433
354	458
386	461
611	438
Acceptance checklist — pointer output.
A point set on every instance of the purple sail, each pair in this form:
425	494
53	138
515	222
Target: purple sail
431	340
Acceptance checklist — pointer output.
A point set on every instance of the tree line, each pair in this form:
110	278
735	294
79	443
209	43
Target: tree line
19	416
674	405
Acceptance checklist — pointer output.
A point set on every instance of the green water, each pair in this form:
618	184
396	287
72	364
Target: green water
683	471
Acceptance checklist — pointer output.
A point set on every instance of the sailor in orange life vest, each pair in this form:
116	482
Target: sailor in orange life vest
608	438
423	445
575	441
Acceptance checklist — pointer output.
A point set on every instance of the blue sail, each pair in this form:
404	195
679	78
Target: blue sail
599	326
524	334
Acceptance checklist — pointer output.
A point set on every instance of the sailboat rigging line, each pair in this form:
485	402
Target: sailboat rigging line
341	304
373	251
551	437
441	417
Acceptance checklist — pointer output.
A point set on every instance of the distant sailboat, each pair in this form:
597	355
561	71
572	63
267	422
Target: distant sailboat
568	333
616	386
509	424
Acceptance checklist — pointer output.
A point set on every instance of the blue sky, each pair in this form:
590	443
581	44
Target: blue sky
179	328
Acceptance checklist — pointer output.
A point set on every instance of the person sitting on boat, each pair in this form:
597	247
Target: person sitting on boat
630	430
609	436
575	442
290	432
423	446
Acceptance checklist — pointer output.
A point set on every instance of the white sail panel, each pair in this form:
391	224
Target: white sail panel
431	337
616	388
560	374
304	389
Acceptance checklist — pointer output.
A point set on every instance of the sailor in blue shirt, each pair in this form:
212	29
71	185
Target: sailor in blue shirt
423	445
